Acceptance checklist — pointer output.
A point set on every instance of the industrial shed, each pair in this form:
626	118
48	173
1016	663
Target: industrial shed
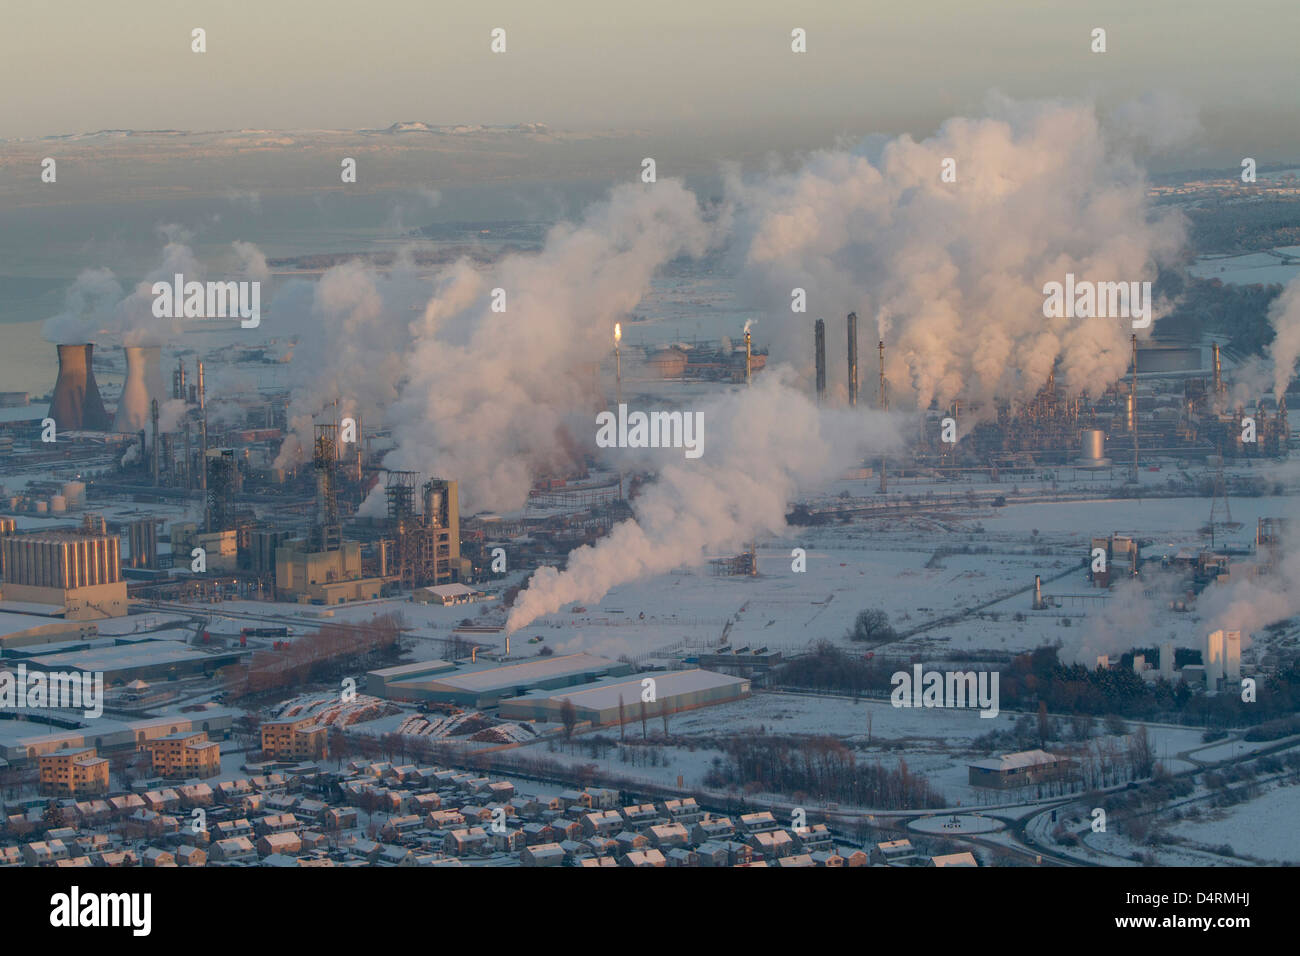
486	684
599	703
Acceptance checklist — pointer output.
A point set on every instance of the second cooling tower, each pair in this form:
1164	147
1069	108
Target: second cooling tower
143	384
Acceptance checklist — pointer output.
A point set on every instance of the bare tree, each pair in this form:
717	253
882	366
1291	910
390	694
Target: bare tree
568	717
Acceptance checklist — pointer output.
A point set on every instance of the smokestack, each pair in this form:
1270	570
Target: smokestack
1133	406
203	431
748	352
819	348
853	360
143	385
1038	592
154	450
883	401
1218	374
76	404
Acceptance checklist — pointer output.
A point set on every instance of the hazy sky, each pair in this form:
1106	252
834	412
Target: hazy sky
717	66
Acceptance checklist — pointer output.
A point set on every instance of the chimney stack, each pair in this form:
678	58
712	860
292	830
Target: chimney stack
819	348
853	360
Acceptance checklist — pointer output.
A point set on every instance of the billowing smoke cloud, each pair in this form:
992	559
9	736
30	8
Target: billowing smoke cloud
96	305
491	394
762	444
88	306
353	335
952	273
1284	315
1250	601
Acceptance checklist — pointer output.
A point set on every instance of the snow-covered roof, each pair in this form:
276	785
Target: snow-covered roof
1016	761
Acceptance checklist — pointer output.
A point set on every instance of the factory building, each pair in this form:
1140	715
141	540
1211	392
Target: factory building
322	577
77	571
611	700
487	684
27	630
145	660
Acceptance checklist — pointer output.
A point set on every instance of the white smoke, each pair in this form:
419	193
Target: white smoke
492	394
88	305
952	272
353	337
1284	315
763	444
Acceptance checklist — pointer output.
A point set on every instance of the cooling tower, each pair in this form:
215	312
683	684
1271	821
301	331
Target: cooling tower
76	403
143	384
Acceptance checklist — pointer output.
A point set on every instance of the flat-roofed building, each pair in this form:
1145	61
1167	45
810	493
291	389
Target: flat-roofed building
296	739
77	772
486	683
188	754
79	571
603	702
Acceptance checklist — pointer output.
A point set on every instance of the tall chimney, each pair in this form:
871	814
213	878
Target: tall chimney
155	451
748	352
883	401
143	384
203	431
1218	375
76	404
853	360
819	347
1133	400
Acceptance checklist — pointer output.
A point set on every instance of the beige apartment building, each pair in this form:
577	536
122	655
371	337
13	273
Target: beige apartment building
186	754
75	772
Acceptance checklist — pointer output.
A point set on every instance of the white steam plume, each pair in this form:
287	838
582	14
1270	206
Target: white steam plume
763	444
1284	314
953	272
353	337
491	395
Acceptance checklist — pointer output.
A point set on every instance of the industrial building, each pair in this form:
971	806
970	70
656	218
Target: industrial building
447	595
323	577
486	684
78	572
146	660
22	740
28	630
610	700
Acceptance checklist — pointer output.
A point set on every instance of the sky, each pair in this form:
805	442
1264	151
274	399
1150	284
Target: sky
722	68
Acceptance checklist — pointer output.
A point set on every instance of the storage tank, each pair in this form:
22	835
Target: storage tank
58	504
42	506
75	494
1092	453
